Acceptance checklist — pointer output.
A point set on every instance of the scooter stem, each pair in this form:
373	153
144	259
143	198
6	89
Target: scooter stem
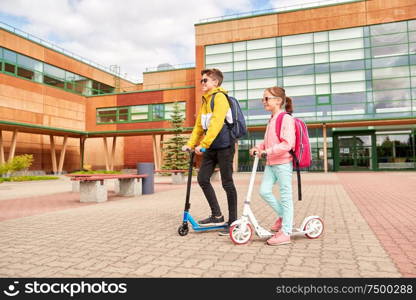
252	178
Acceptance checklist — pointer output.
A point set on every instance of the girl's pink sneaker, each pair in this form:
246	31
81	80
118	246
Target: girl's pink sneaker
280	238
277	225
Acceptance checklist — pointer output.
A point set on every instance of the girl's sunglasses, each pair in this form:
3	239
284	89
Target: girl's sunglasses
204	80
268	98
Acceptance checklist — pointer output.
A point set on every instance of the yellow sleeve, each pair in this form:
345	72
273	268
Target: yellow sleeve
197	132
221	107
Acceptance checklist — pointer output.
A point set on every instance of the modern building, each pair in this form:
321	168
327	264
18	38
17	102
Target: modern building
350	69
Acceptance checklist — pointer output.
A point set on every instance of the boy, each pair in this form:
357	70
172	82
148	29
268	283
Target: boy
219	147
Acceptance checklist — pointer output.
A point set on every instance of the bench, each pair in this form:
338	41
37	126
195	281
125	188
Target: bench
92	188
178	176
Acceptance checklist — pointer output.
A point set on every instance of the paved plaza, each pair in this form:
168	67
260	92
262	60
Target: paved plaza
370	231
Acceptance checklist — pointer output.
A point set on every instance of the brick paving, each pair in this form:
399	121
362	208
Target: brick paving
137	237
387	202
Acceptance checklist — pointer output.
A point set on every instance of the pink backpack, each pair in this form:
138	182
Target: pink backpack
302	152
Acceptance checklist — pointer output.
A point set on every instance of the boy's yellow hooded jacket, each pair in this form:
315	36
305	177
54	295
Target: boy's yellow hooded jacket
212	122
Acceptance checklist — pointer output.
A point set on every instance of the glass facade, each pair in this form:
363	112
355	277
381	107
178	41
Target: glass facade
137	113
347	74
13	63
359	73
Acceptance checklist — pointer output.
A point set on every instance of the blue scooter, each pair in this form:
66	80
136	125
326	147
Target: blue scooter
184	228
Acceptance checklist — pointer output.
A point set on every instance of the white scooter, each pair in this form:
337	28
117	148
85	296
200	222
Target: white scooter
241	230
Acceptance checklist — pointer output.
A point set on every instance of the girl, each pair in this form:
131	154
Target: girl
279	163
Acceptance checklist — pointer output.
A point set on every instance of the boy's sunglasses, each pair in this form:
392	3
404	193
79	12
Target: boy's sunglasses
204	80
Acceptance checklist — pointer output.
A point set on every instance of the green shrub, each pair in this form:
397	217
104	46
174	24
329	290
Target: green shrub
21	162
18	163
28	178
5	168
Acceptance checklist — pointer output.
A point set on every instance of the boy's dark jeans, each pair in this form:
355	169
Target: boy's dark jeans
224	159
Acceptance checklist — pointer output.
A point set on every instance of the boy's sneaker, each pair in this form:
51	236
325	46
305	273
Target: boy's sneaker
225	231
280	238
212	221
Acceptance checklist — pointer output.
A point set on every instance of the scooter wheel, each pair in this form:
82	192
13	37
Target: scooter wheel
183	230
240	237
314	228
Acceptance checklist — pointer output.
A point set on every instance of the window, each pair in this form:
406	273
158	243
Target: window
343	34
388	28
261	63
123	114
298	80
35	70
158	112
297	39
106	115
389	39
261	44
9	61
170	108
221	48
261	53
262	73
323	99
219	58
139	112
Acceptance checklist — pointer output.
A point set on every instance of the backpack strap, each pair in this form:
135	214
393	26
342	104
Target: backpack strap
229	125
279	122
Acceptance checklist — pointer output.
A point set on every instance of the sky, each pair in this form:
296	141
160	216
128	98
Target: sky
132	34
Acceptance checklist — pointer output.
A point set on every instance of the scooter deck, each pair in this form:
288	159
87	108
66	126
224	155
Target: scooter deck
196	227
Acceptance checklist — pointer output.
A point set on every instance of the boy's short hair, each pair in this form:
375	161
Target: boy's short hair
214	73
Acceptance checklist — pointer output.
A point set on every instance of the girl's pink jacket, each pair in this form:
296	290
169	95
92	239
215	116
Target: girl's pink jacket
278	151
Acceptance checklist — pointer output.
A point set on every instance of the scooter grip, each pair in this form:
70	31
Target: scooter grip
263	155
203	150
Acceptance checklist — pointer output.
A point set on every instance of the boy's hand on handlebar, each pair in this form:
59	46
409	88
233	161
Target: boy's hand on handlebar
186	148
198	150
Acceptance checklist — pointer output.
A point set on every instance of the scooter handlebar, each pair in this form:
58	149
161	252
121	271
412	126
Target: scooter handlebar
263	154
191	150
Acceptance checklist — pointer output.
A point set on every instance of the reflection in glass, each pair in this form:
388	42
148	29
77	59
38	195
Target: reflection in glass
395	151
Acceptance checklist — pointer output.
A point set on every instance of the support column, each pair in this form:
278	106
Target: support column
62	155
157	150
2	161
160	153
155	156
107	167
325	148
13	145
113	152
82	150
53	154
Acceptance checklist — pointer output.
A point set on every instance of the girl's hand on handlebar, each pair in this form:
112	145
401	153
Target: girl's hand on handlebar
253	150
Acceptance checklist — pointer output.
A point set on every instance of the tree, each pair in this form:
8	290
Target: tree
174	157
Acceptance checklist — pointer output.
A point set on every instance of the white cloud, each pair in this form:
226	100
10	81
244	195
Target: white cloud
294	4
133	34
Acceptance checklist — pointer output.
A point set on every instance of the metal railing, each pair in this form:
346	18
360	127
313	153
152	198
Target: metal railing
275	10
167	67
64	51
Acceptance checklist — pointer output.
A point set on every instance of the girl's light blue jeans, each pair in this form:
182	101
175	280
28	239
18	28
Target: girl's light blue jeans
282	174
